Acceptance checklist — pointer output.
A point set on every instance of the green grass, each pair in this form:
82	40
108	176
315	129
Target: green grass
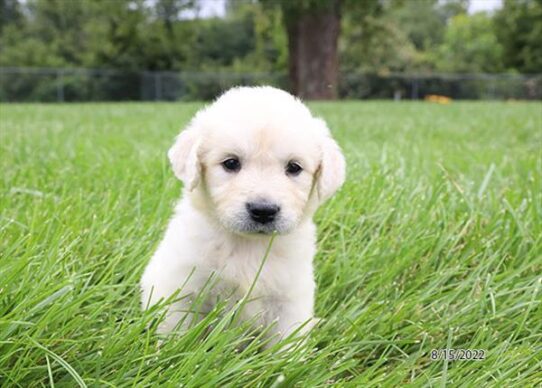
434	242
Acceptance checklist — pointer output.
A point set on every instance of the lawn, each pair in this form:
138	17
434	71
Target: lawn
434	242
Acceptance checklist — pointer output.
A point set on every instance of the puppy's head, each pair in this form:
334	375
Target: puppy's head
260	159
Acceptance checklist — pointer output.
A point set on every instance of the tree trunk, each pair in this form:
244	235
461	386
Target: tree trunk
313	62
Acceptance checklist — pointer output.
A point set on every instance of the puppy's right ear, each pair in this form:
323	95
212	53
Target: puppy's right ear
184	158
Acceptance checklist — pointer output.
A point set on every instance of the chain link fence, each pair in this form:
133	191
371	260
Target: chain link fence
60	85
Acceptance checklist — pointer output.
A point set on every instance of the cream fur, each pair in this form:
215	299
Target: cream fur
209	233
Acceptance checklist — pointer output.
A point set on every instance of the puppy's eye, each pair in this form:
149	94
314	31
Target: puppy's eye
231	164
293	168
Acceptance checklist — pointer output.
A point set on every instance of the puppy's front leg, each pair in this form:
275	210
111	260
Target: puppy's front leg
161	281
291	315
177	312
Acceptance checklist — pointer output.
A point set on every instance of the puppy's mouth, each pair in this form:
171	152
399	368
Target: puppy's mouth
249	227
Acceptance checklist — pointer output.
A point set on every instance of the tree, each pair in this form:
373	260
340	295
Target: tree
382	35
10	13
169	11
519	28
403	36
424	21
313	29
469	45
52	36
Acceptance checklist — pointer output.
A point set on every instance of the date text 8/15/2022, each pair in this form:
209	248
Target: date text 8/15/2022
457	354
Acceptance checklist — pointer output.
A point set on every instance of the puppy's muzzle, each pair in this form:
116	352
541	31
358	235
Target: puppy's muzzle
262	212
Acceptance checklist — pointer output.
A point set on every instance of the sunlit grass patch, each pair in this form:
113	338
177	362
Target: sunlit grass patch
433	242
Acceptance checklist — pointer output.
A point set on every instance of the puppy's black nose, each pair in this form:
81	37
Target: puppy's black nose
262	212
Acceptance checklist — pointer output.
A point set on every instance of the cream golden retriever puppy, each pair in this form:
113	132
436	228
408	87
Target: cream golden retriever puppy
254	163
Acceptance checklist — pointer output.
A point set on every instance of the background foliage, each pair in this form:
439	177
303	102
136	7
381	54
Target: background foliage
393	35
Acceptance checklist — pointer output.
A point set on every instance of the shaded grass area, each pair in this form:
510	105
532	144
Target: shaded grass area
434	242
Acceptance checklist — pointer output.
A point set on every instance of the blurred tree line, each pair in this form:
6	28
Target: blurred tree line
373	36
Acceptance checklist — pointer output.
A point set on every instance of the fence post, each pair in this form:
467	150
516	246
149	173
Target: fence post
157	86
60	86
414	90
142	81
493	87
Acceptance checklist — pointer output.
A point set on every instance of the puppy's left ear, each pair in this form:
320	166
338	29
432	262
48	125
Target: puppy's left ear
332	169
184	157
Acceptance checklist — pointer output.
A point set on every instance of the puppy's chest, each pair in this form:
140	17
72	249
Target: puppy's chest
238	268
